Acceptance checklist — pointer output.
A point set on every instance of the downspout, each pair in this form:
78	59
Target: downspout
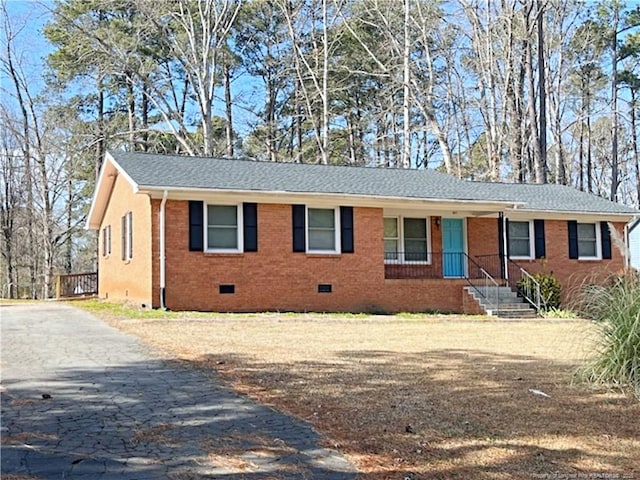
162	249
505	259
628	228
627	243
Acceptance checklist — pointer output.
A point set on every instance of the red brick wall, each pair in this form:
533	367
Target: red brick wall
571	273
126	280
483	238
275	278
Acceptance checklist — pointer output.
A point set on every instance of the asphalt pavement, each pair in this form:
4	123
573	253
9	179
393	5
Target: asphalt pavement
82	400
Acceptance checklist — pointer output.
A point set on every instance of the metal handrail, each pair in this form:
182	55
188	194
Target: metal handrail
530	289
487	282
516	277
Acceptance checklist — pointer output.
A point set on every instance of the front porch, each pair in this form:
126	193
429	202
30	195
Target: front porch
495	283
440	265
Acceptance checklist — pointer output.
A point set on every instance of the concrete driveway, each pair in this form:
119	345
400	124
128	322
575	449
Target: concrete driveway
81	400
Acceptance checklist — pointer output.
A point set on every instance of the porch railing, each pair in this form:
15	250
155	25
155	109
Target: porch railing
529	288
516	277
483	283
523	282
424	265
483	272
77	285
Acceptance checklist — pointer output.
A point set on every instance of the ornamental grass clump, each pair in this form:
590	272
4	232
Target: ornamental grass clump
615	307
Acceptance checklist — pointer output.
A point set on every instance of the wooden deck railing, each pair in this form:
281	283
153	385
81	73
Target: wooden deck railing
77	285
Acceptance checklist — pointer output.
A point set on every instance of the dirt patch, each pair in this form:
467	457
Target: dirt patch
11	476
155	434
26	438
422	397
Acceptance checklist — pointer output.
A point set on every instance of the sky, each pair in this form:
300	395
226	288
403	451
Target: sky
27	18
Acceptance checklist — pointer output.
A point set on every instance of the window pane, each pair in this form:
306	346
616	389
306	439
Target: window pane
222	237
222	215
322	239
519	240
415	228
519	229
587	248
587	231
413	246
391	227
321	217
519	248
415	250
390	249
587	240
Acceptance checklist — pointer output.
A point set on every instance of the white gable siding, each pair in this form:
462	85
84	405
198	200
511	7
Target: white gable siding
634	244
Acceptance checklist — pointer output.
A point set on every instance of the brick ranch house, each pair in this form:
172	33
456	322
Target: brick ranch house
193	233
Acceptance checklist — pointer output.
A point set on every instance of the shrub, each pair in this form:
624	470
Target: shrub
615	306
549	289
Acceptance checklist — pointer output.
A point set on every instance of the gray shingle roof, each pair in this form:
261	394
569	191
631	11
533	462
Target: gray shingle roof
176	172
551	197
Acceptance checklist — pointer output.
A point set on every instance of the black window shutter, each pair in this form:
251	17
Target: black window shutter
346	229
250	227
572	226
538	232
196	228
605	237
298	214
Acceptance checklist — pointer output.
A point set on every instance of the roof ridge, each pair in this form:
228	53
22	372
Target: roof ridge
267	162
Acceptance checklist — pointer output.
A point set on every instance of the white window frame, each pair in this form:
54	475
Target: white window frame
400	223
397	238
239	226
127	236
336	226
596	226
532	242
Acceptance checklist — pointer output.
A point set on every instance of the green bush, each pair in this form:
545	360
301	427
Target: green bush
549	289
615	306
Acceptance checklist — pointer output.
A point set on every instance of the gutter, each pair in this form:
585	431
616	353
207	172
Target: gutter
151	189
162	250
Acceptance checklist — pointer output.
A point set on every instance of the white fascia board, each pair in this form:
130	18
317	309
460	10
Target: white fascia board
523	214
285	197
104	185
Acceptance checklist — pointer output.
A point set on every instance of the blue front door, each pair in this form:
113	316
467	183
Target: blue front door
453	260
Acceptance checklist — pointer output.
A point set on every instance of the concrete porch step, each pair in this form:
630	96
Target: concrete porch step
511	313
509	304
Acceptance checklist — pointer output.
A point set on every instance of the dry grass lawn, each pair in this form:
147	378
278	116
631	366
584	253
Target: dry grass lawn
438	397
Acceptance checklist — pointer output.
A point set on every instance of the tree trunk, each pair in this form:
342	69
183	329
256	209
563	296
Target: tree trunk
228	109
538	166
100	144
325	85
541	167
271	120
145	115
406	112
634	140
614	105
131	111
